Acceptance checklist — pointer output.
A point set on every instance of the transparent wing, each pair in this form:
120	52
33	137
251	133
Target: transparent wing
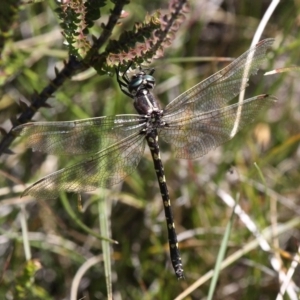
81	136
217	90
200	120
192	137
104	169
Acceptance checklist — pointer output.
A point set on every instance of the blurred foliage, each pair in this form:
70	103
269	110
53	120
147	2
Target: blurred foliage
35	47
76	19
24	286
8	14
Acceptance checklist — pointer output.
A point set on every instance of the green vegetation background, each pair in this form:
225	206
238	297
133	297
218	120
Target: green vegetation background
140	263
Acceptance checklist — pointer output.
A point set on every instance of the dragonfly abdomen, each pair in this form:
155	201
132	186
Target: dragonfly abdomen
152	140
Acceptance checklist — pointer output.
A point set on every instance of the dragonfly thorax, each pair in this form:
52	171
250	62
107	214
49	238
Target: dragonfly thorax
145	102
153	121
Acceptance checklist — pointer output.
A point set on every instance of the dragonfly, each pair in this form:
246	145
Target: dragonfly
194	123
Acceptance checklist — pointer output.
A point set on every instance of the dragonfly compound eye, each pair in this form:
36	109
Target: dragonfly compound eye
149	81
135	84
141	82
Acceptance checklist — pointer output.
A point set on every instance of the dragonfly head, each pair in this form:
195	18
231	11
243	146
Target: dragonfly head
141	81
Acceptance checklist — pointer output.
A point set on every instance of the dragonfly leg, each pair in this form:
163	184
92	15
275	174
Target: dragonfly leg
123	80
